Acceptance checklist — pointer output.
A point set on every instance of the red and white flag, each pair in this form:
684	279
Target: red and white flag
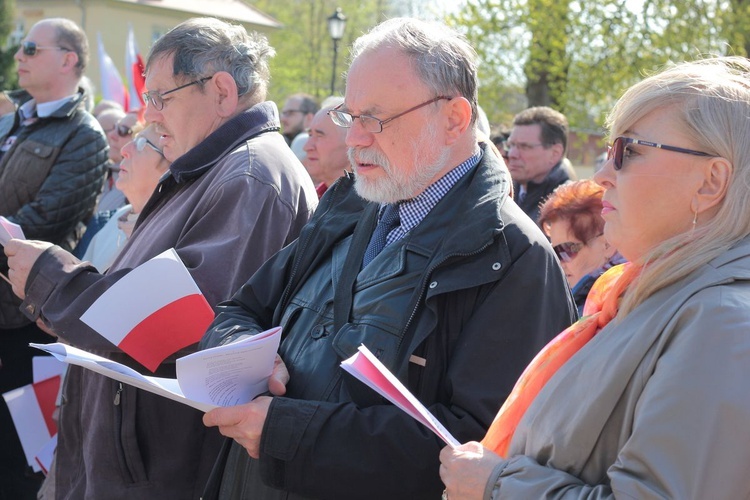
31	408
112	87
134	68
153	311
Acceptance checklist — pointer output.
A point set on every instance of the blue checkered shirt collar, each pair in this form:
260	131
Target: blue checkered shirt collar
413	211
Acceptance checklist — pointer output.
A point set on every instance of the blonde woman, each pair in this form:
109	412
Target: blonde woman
648	395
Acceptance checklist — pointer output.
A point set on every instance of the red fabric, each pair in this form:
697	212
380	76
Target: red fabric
166	331
601	306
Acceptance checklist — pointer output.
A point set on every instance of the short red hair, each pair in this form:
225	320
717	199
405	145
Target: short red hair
580	204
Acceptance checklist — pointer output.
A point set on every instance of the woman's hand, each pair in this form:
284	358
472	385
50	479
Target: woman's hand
466	469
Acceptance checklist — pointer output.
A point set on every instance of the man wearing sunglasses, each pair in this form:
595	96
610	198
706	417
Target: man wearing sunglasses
535	151
53	157
420	255
234	194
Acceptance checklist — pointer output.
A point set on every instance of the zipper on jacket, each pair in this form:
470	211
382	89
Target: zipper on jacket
117	395
424	286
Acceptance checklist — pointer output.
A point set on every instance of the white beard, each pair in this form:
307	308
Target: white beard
398	183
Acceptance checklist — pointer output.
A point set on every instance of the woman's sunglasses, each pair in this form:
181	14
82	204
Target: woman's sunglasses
567	251
617	150
31	48
123	130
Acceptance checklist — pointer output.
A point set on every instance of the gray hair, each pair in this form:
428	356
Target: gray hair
442	57
203	46
331	102
711	100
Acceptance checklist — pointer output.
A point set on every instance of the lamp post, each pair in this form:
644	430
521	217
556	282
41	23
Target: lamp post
336	25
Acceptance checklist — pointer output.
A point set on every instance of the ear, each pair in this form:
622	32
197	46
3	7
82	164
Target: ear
458	114
557	152
225	89
710	194
70	59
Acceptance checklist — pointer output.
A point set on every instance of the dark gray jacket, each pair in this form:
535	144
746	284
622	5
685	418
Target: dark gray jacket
474	291
49	181
536	193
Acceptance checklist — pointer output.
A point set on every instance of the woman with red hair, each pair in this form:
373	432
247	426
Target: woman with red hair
572	219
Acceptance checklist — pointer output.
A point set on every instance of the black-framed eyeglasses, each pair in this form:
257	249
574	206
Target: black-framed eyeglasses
141	142
157	98
617	150
288	112
31	48
370	123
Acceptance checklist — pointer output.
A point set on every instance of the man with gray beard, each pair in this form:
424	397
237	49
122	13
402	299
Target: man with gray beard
422	256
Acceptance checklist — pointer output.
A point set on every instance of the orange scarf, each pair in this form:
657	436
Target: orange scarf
601	306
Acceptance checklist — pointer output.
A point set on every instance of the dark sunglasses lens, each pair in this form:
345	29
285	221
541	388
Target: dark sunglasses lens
618	147
124	131
29	48
566	251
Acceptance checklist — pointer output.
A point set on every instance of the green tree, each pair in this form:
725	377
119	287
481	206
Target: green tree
8	77
580	56
304	49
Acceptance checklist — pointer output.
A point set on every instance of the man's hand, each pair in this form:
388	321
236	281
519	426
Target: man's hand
21	257
243	423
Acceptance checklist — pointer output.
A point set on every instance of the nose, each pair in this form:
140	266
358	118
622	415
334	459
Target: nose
127	150
357	136
151	115
309	144
19	54
605	176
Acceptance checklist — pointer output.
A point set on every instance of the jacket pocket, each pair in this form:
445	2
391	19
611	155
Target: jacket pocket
128	451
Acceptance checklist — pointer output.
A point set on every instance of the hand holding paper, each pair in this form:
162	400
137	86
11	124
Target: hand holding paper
368	369
226	375
9	230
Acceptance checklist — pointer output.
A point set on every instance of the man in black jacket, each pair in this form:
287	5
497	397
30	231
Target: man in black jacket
536	148
53	156
422	256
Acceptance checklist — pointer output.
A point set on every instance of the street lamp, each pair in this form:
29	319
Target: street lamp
336	25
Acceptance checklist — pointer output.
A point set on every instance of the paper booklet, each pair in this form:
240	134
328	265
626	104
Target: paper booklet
226	375
369	370
9	230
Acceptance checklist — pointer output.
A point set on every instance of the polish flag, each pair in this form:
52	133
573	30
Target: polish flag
134	68
112	87
31	408
153	311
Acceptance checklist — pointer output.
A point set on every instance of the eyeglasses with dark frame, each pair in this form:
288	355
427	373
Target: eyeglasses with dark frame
141	142
370	123
521	146
617	150
31	48
156	99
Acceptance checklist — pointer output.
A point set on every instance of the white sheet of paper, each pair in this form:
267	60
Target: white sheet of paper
203	381
368	369
44	367
9	230
231	374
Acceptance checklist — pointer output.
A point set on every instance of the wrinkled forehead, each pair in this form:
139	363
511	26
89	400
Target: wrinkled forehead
382	78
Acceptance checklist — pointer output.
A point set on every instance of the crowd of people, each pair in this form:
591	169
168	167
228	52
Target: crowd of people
581	338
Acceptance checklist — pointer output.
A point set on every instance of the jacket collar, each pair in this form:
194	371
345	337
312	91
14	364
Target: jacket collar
554	178
263	117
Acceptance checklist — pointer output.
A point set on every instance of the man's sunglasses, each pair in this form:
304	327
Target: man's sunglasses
567	251
617	150
31	48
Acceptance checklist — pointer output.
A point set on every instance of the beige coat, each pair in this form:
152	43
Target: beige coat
657	406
